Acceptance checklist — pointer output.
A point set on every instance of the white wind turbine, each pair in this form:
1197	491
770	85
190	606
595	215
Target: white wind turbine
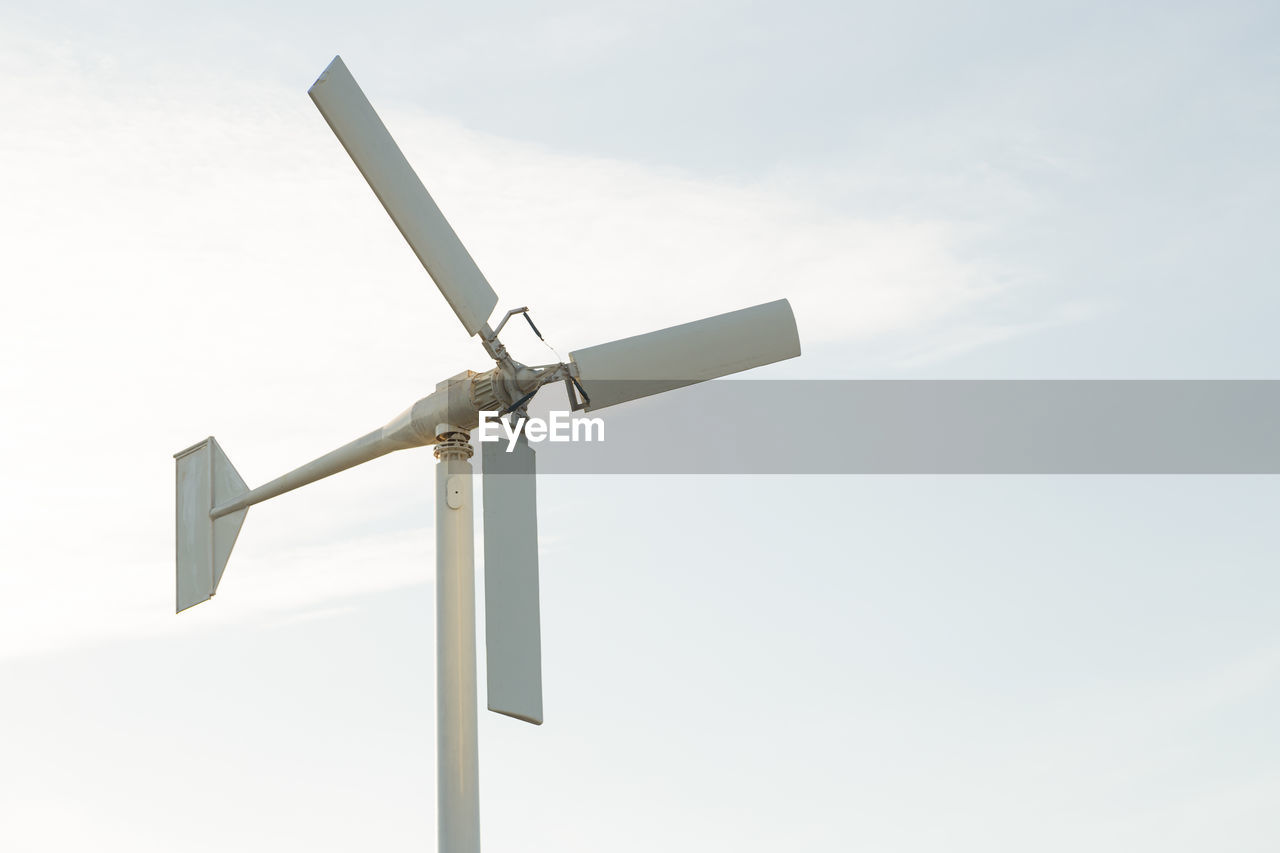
212	499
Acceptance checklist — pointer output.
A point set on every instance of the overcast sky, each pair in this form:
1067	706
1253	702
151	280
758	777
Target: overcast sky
908	664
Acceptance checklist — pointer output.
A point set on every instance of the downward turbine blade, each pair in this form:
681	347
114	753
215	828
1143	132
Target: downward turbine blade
513	637
683	355
398	187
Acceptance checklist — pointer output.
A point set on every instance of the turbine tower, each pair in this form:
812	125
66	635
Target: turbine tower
212	499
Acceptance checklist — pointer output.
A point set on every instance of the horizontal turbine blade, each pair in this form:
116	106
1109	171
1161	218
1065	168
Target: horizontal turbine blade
398	187
683	355
513	638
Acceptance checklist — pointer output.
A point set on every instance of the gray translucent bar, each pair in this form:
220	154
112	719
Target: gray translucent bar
934	427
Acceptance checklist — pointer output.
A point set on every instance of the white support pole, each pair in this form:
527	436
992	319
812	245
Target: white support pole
457	754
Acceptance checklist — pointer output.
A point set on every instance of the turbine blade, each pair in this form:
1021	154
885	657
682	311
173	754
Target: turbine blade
683	355
513	639
353	120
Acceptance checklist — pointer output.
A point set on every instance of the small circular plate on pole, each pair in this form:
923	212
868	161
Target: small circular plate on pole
453	492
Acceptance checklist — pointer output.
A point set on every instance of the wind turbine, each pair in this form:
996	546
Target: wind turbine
212	499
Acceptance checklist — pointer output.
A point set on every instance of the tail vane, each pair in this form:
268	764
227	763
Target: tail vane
206	478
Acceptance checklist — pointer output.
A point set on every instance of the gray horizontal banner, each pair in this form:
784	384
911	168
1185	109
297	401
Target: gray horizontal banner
928	427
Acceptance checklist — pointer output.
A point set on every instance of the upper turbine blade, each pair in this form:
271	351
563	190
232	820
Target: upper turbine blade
513	638
398	187
682	355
